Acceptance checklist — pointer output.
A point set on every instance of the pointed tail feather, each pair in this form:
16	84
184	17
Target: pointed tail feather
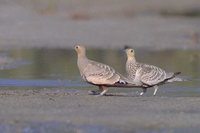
177	73
176	79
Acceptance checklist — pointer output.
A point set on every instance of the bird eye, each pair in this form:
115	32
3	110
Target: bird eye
131	51
76	47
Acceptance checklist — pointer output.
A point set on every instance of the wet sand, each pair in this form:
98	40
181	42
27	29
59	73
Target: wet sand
78	111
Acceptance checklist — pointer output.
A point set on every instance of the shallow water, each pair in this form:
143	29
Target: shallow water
57	68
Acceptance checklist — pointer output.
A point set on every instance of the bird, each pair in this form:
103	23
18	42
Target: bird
99	74
147	75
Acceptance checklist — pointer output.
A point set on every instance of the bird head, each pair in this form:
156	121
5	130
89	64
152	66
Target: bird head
80	49
130	52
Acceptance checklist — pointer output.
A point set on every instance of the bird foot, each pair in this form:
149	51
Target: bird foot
139	93
93	92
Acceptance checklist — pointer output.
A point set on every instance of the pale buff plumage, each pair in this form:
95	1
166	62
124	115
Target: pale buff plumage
97	73
149	75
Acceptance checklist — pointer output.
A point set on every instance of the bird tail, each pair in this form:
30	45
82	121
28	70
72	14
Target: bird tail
177	73
176	79
125	80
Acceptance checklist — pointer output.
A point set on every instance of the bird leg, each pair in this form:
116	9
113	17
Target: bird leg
144	90
103	92
97	92
155	89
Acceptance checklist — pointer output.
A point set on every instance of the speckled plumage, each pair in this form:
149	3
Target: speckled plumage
131	68
144	74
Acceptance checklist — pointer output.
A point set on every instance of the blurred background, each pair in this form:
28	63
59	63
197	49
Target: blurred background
157	24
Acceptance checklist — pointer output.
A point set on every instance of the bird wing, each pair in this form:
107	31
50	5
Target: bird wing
152	75
98	73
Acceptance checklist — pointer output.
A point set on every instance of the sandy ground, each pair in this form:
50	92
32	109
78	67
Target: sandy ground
107	113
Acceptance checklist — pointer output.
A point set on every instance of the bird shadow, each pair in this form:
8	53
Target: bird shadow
119	95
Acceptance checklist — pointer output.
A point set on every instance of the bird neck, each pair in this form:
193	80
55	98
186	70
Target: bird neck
82	55
82	60
131	58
